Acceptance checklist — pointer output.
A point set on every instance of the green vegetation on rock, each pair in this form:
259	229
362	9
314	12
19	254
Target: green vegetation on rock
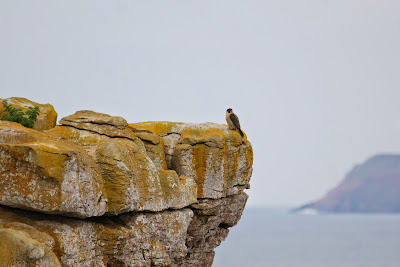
26	119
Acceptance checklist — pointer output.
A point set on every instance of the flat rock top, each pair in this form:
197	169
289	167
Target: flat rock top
88	116
98	122
211	134
24	103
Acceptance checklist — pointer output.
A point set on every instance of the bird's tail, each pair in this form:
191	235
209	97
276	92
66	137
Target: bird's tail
241	133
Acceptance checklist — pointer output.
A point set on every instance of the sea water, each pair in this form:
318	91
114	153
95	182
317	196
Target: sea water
266	237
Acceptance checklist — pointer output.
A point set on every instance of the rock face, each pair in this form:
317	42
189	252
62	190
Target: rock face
373	186
218	159
97	191
132	181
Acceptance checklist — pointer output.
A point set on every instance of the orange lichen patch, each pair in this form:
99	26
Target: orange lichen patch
47	118
48	156
231	166
200	166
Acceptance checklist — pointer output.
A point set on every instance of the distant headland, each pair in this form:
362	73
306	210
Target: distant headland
372	187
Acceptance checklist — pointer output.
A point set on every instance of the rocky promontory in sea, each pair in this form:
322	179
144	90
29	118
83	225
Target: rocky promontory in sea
98	191
372	187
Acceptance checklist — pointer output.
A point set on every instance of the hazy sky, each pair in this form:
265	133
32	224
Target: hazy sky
316	84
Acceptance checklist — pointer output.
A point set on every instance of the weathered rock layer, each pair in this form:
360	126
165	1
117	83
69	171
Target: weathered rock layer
97	191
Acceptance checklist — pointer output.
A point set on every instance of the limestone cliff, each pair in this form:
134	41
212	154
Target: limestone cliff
97	191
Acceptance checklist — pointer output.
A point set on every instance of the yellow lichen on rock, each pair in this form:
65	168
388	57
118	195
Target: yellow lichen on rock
154	146
129	239
48	175
78	136
219	160
18	249
30	232
160	128
130	177
180	191
99	123
131	162
47	118
169	190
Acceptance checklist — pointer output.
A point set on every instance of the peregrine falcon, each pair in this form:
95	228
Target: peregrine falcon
233	121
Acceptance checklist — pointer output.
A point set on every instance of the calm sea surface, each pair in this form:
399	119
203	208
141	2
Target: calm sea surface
277	238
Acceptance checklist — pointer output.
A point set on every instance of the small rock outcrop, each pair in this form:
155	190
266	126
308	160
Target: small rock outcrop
47	118
372	187
97	191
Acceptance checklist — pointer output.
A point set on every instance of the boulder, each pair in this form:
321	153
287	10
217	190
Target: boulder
38	172
47	118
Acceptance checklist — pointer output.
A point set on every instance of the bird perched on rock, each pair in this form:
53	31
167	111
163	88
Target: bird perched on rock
233	121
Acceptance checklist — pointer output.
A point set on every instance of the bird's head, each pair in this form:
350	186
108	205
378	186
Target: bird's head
229	110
